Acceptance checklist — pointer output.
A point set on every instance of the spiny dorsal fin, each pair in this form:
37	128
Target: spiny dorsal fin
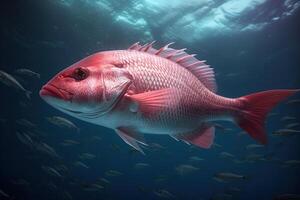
202	71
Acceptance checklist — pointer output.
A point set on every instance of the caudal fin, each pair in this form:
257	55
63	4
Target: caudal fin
255	108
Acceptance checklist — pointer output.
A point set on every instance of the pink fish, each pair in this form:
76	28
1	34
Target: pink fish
143	90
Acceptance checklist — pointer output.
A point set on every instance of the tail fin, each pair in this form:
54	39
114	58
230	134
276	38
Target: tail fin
255	107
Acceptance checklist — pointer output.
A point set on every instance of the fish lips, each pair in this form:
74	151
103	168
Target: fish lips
51	90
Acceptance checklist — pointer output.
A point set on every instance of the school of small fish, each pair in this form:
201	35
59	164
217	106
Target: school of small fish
62	166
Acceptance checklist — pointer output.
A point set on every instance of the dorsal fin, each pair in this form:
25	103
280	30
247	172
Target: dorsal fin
202	71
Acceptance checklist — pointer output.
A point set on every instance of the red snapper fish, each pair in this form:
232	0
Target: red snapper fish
143	90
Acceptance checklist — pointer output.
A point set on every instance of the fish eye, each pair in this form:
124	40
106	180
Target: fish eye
80	74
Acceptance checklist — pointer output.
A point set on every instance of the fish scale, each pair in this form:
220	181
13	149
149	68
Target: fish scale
165	74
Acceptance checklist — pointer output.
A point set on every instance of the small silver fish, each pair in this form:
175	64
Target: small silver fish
81	164
3	194
45	148
229	176
71	142
288	197
222	196
288	118
96	138
185	169
67	195
226	155
87	156
217	145
21	182
292	125
61	168
292	162
293	101
52	186
98	186
113	173
195	159
161	178
26	123
62	122
104	180
233	190
164	194
141	165
10	81
254	157
27	72
286	132
25	139
51	171
254	146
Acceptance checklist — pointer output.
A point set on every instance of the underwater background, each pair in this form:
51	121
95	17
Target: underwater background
253	45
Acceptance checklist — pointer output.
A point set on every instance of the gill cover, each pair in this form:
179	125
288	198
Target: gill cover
115	83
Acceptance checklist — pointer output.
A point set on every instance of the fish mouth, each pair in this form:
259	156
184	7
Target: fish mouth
51	90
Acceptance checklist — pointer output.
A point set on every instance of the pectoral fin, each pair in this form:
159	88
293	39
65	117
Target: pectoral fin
131	138
203	137
153	101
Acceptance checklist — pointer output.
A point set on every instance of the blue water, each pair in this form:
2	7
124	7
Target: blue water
252	45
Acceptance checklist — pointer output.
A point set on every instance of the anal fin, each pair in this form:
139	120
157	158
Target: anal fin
131	138
202	137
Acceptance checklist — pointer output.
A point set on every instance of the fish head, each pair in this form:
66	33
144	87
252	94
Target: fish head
87	89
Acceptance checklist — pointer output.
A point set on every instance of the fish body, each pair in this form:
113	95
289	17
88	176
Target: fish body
9	80
143	90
